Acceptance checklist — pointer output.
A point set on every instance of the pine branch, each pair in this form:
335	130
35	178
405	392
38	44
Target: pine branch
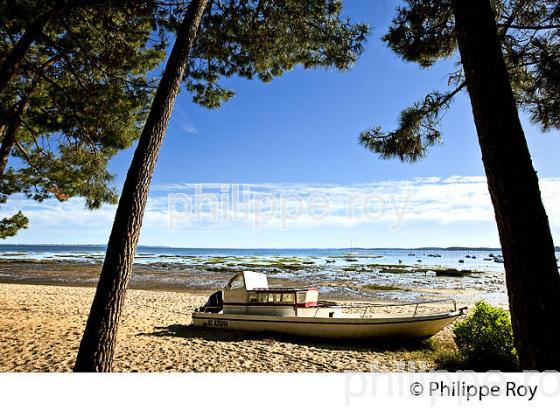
530	27
418	129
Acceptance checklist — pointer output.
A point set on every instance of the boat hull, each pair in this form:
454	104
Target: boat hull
402	328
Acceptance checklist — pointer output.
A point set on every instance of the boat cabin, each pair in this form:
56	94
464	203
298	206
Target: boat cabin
249	293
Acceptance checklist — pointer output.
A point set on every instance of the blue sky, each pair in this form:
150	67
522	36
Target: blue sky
299	134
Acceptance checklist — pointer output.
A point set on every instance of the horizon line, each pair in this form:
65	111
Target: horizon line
272	248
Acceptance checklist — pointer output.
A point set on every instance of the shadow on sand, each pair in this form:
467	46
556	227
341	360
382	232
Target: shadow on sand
221	335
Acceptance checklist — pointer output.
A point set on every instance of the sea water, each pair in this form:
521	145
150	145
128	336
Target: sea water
330	269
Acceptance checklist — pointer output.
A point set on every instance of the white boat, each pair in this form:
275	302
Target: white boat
247	303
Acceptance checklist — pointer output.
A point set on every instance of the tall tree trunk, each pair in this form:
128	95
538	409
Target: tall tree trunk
11	63
10	132
14	58
8	141
532	276
98	342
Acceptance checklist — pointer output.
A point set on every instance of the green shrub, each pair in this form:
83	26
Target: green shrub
485	340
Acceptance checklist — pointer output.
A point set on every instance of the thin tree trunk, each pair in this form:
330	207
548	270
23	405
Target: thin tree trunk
99	339
10	132
532	277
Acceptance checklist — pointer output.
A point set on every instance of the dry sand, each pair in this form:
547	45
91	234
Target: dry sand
41	326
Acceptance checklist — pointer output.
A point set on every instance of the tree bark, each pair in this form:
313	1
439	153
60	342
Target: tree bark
8	142
15	57
532	277
10	132
99	339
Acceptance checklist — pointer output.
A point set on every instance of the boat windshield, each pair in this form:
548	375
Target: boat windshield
283	298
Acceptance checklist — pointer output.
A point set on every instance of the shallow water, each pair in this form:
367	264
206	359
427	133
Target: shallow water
409	271
148	254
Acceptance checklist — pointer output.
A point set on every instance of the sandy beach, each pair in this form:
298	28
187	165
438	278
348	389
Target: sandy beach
41	326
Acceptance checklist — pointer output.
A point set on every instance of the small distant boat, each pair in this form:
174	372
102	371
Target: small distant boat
331	260
247	303
350	257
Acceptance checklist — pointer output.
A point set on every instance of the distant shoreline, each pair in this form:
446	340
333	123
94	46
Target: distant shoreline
423	248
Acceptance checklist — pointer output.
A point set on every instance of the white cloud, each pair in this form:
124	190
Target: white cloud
393	205
183	122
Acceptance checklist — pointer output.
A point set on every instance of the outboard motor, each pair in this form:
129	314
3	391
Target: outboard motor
215	303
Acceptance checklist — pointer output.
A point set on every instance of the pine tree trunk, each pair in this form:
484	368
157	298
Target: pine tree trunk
32	32
10	132
532	276
98	342
8	141
2	130
14	58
